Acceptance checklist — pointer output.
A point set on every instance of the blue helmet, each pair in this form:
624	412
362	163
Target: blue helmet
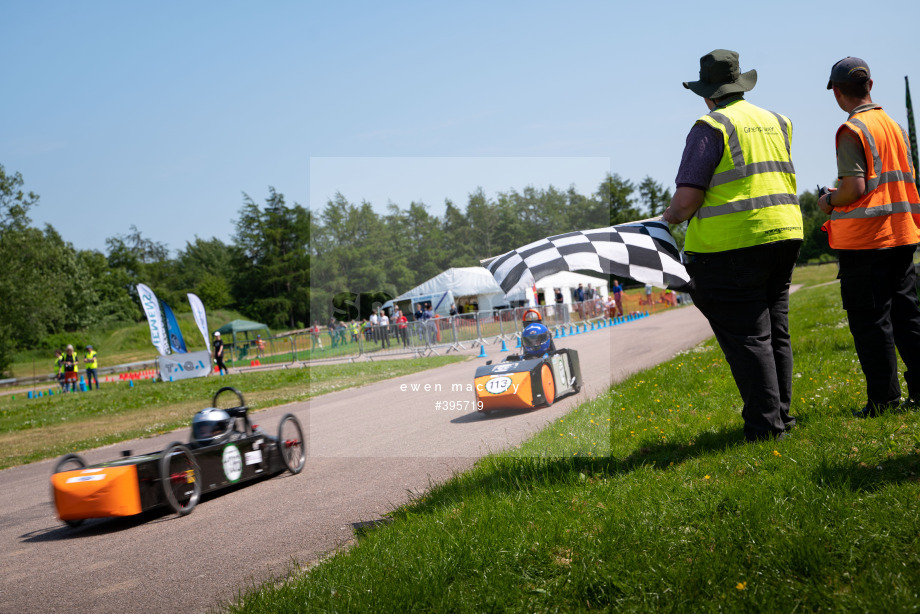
536	340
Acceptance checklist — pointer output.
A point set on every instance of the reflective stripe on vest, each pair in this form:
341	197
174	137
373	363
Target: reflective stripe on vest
751	198
888	213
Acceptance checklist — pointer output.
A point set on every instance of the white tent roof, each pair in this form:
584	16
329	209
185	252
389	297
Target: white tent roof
464	281
444	288
567	279
477	281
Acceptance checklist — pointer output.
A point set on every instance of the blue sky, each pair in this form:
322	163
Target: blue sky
161	114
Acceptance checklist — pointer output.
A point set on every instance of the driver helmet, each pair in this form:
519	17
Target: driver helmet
532	315
536	339
211	426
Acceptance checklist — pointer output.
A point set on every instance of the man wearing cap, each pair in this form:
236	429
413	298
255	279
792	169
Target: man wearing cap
219	354
875	227
736	184
92	363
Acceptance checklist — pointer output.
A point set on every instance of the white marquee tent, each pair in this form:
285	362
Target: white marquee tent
464	286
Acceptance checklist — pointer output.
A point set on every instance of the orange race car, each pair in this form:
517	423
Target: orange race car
536	378
225	449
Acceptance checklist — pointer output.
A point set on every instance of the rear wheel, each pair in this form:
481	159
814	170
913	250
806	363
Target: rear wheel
180	477
291	444
70	462
549	385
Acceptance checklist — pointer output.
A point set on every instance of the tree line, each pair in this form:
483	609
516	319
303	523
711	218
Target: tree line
286	264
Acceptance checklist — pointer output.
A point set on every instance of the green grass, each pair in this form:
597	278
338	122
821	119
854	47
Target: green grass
815	274
647	499
48	426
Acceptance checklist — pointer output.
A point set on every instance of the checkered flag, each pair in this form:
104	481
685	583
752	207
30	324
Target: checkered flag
644	251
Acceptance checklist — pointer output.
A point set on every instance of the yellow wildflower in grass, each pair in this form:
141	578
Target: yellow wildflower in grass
776	453
741	586
705	477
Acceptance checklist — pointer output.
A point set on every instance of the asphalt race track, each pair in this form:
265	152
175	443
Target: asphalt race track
369	449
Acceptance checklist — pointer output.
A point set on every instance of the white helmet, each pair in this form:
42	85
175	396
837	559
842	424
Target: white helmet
211	426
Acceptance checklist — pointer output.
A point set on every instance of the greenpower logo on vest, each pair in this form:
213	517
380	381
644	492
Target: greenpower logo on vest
763	129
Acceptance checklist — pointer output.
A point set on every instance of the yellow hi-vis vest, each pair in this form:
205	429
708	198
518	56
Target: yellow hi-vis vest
751	199
93	364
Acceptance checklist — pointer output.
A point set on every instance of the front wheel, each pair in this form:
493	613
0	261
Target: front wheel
70	462
180	477
291	444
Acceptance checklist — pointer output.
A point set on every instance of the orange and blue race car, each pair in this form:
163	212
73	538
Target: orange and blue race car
537	377
224	450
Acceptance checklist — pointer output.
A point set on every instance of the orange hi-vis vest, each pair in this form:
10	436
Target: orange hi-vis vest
888	213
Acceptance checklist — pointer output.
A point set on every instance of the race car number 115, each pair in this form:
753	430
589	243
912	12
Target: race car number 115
498	385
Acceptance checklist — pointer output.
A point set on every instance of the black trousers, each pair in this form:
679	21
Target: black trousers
744	293
879	291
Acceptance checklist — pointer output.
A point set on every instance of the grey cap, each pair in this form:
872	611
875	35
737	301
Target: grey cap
720	75
849	70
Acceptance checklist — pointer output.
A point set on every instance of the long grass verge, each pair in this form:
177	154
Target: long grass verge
48	426
648	499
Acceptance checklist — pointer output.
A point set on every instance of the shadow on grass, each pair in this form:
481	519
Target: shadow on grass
507	474
860	477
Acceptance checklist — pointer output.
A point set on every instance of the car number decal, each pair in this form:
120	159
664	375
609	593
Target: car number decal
498	385
86	478
233	463
254	457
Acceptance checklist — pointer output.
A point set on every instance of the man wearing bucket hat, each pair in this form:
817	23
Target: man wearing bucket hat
875	227
736	184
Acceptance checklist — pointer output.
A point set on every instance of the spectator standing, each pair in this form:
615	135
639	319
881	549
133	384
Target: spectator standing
402	329
71	370
875	227
374	321
453	310
562	315
260	346
383	322
618	297
736	184
315	335
59	368
355	329
428	319
219	354
92	364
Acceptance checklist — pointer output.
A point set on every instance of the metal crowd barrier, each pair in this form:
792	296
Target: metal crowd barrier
443	335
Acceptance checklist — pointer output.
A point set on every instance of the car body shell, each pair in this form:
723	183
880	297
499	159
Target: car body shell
525	383
131	485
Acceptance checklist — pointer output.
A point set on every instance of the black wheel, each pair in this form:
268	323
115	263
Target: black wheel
70	462
180	477
291	444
